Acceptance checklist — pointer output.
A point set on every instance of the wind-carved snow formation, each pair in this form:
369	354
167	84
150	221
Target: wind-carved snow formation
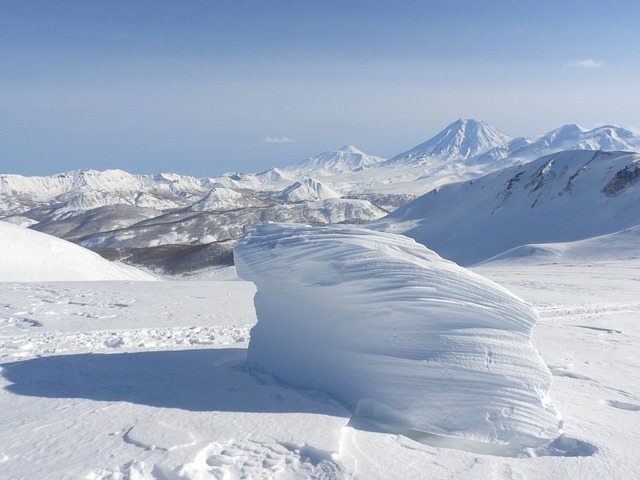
399	335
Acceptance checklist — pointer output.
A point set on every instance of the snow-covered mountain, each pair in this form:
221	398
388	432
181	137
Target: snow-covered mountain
89	189
309	190
272	180
461	140
566	137
335	162
562	197
221	198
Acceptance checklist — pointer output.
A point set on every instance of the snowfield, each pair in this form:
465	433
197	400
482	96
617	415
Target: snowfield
149	380
400	336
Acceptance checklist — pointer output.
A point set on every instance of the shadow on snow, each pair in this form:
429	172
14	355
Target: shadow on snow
195	380
210	380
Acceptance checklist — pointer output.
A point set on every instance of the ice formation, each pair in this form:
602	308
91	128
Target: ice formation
397	334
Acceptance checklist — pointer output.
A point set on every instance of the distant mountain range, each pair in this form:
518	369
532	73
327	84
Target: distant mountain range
181	223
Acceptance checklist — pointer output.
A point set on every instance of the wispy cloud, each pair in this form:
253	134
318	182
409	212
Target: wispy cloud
279	140
586	63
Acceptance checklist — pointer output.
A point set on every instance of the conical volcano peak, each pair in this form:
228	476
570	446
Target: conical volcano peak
351	149
461	140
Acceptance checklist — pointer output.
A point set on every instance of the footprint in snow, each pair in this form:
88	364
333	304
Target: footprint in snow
631	407
263	461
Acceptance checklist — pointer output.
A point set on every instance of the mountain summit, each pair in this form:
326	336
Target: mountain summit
461	140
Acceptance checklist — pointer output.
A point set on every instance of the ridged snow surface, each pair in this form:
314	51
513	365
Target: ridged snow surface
397	334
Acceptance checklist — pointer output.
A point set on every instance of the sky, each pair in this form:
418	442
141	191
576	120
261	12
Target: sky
203	87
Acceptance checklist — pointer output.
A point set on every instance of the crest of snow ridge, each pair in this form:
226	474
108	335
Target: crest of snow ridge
397	334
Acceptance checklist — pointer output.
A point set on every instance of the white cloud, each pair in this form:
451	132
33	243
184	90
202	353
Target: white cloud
279	140
586	63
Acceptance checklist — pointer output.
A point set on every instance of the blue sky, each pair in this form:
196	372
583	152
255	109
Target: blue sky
204	87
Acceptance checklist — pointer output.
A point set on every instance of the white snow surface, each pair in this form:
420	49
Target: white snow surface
397	334
30	256
148	380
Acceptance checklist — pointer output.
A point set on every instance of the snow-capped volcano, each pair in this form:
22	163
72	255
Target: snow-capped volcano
335	162
461	140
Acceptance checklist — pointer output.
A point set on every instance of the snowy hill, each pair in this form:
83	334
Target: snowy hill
274	179
29	256
309	190
563	197
221	198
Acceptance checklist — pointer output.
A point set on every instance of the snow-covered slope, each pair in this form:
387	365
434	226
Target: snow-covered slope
30	256
222	198
618	246
273	180
563	197
82	190
399	335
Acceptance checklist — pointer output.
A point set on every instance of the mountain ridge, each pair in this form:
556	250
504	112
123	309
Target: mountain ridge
562	197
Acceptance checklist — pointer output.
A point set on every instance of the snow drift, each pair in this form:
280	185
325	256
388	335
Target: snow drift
399	335
30	256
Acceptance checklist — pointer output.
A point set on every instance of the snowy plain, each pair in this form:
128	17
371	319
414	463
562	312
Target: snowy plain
148	380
